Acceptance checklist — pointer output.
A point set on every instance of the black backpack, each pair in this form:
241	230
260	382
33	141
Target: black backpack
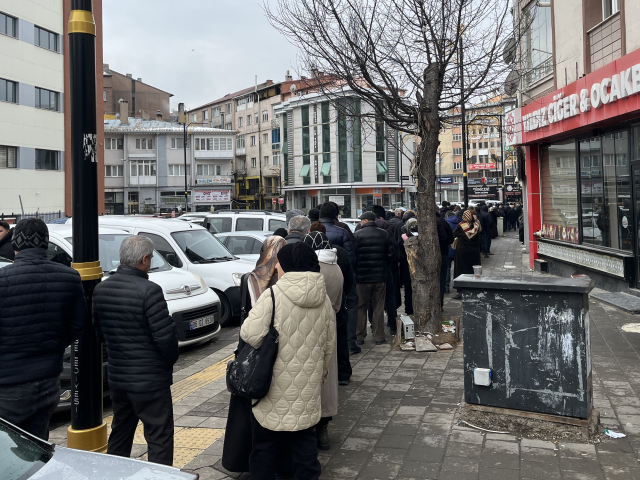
249	374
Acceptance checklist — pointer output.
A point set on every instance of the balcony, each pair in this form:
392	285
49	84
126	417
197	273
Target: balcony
605	42
214	180
272	191
213	154
142	180
243	192
241	151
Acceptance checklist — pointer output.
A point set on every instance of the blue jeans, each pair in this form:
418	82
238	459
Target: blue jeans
29	406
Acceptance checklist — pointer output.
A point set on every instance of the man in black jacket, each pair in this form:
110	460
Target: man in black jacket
6	250
337	235
132	320
298	227
375	251
42	311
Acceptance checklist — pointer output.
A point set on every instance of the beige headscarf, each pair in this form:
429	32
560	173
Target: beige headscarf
265	274
470	227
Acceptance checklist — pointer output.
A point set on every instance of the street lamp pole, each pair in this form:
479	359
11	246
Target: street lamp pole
88	431
186	187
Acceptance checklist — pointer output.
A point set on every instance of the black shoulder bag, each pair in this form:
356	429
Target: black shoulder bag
249	374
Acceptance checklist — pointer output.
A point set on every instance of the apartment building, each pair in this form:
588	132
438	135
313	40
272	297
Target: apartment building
145	167
144	100
34	85
578	130
329	155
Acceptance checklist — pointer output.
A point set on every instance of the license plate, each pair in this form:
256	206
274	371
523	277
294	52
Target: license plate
201	322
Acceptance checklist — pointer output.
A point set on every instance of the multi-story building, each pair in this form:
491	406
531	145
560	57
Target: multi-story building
145	167
34	85
329	155
143	99
578	129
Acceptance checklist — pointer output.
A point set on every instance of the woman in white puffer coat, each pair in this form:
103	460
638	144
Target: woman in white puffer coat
305	320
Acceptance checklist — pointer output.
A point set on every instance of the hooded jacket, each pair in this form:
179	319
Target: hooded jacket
305	321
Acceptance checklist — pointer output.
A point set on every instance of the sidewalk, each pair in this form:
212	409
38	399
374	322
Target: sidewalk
396	418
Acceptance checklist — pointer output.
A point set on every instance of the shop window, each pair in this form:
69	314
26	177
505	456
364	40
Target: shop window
538	51
559	191
343	175
381	164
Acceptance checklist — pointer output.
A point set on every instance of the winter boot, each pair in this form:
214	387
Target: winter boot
322	437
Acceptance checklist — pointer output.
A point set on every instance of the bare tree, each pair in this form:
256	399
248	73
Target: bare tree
402	57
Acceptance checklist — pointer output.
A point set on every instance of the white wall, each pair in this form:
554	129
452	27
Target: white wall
41	190
569	40
632	15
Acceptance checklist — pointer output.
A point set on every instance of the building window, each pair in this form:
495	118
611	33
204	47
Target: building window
113	144
275	135
227	126
47	99
254	161
144	144
457	137
46	39
240	141
457	151
8	91
610	7
249	119
177	143
265	116
265	138
113	170
205	115
253	140
104	95
257	119
216	111
227	108
194	117
381	163
538	43
177	170
285	148
276	158
486	144
7	157
47	160
143	168
239	121
457	165
266	160
306	147
7	25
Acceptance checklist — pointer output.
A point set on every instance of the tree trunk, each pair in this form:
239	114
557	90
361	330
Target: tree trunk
426	287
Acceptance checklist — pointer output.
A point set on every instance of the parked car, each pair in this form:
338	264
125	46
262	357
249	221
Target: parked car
4	262
352	223
244	221
195	308
245	245
26	457
190	247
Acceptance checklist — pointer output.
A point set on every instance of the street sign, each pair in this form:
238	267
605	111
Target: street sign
281	200
274	200
337	199
405	177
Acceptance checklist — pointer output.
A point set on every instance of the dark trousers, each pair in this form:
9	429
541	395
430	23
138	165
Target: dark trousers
266	443
352	309
155	410
485	241
377	293
511	225
390	305
342	344
29	406
408	300
395	275
444	271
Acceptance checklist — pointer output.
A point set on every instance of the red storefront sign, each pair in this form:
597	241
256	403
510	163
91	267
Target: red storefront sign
611	92
481	166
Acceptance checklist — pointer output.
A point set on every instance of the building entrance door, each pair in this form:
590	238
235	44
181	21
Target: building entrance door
627	221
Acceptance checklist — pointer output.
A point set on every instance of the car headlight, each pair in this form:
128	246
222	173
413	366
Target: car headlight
237	278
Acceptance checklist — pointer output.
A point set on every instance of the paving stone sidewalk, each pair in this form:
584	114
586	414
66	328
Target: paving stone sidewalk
396	417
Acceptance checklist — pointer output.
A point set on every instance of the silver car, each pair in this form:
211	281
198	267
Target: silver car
245	245
23	456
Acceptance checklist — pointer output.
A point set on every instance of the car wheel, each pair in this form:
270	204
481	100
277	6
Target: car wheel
225	308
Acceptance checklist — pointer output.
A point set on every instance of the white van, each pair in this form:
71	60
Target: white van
190	247
224	221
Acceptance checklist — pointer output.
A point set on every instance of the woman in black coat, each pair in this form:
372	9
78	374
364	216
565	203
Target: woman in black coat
494	228
467	246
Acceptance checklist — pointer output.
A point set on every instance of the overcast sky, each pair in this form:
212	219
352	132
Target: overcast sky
198	50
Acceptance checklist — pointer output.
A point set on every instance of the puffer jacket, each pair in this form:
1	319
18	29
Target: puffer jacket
339	236
305	320
453	222
42	311
375	250
6	249
132	320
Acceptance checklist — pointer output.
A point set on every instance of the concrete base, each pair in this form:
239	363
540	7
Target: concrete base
623	301
602	281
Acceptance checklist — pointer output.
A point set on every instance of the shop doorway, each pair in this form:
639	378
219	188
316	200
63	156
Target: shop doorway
635	167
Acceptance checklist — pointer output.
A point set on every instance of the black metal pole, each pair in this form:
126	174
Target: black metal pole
502	158
401	161
87	431
186	192
464	136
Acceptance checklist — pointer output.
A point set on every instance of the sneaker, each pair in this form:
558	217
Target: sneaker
355	350
381	342
343	382
359	342
457	296
490	253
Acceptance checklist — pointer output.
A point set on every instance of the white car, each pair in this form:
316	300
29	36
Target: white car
190	247
245	245
224	221
352	223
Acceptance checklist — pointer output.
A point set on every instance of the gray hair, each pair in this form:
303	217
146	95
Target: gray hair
398	212
133	249
300	224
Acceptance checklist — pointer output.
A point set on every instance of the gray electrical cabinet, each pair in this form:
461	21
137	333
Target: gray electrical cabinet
532	333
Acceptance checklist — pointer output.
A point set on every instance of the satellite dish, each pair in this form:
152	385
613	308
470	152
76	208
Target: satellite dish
292	89
509	52
511	83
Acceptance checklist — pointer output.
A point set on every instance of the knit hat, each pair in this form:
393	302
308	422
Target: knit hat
289	214
317	241
314	215
368	216
379	211
30	233
298	257
327	210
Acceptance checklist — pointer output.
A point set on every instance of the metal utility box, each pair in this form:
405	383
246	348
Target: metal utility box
533	334
407	327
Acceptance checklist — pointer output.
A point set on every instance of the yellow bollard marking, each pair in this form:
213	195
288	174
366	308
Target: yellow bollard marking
195	382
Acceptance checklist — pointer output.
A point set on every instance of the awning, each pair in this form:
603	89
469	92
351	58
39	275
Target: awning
382	167
305	171
326	168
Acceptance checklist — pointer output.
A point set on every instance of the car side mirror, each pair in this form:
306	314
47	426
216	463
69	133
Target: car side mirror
171	259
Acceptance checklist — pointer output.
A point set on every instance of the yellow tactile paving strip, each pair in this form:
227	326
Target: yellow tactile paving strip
189	442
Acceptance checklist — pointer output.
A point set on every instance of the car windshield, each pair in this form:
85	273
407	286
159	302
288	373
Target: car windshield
20	455
109	252
200	246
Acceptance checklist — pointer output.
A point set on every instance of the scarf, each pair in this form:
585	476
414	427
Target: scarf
470	227
265	272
